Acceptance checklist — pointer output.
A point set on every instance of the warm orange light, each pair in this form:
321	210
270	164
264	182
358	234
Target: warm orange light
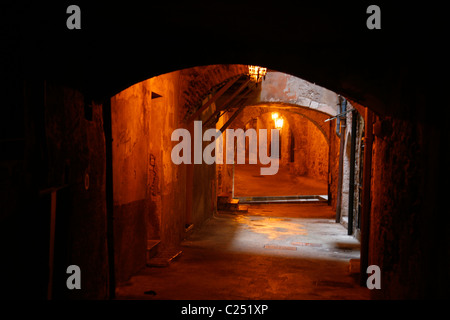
275	115
279	123
256	73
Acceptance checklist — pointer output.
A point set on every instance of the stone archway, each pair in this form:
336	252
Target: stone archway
304	153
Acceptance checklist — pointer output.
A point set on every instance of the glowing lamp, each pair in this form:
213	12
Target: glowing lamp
256	73
275	115
279	123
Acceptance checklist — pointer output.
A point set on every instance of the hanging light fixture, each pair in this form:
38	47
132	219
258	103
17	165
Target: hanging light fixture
256	73
275	115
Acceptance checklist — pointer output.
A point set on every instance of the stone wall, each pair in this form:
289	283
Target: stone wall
280	87
409	233
75	146
311	150
145	181
154	199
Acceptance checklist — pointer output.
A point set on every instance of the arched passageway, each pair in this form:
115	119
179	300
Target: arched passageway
58	136
303	150
172	201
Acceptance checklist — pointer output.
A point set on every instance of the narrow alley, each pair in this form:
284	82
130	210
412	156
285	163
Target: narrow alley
223	150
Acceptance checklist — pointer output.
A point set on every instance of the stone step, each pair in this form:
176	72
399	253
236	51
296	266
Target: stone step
233	205
164	258
283	199
222	202
230	205
152	248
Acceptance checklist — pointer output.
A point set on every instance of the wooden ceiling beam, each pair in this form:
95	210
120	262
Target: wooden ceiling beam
223	106
217	95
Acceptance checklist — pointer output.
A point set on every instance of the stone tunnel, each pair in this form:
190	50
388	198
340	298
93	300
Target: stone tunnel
358	144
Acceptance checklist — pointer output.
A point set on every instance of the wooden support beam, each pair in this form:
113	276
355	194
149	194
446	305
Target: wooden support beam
221	108
238	111
218	94
241	106
238	103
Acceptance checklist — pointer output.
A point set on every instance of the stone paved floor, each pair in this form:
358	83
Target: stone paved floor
283	252
248	181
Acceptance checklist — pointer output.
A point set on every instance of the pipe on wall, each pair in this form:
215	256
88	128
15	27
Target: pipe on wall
340	131
351	192
365	203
